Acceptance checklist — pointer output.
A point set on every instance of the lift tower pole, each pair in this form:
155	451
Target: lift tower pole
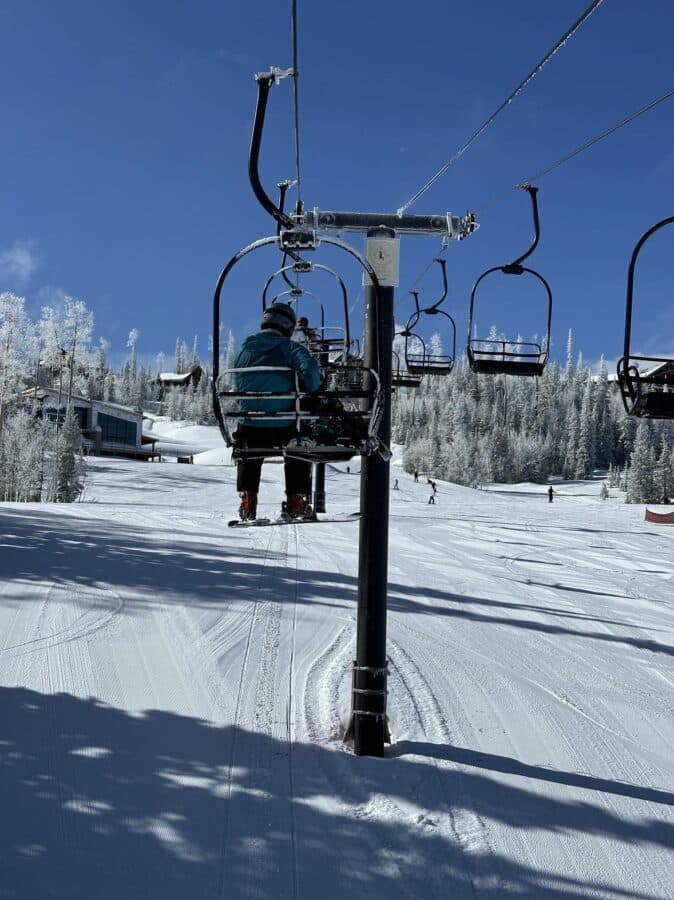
370	729
319	488
369	724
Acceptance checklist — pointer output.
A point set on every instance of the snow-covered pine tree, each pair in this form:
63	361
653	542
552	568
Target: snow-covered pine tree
573	433
585	450
195	355
17	349
664	483
602	418
131	343
641	487
179	362
568	370
69	465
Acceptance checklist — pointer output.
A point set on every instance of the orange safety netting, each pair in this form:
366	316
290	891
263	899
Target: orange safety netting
660	518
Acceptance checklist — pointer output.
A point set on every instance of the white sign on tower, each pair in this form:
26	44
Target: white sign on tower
383	254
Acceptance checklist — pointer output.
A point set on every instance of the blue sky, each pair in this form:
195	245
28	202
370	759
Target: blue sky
126	128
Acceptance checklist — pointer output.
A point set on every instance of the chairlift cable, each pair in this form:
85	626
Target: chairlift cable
509	99
496	198
293	17
584	146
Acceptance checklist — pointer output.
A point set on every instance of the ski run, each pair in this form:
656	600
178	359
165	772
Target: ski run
174	693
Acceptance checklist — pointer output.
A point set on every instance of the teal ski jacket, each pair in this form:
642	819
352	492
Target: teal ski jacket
269	348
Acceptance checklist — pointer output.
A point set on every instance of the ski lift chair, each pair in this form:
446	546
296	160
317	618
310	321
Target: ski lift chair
400	376
646	382
503	356
419	360
329	425
332	340
335	423
361	403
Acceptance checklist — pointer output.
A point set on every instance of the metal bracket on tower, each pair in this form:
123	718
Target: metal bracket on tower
275	74
445	225
369	689
292	240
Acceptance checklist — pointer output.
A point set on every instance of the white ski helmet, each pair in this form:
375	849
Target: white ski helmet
280	316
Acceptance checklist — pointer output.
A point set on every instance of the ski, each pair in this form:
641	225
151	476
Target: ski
262	523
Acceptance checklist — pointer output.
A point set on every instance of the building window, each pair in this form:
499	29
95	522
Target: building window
117	431
80	413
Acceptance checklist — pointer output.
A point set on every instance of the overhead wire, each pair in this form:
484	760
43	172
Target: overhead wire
296	108
590	142
508	100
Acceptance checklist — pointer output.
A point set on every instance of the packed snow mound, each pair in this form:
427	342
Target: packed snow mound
220	456
183	438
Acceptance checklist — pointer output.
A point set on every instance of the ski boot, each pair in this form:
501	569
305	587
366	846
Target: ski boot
248	508
296	507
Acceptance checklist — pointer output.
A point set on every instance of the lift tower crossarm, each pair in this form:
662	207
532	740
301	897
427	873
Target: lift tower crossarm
445	225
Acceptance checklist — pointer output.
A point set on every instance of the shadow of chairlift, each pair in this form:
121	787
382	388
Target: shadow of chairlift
648	394
489	356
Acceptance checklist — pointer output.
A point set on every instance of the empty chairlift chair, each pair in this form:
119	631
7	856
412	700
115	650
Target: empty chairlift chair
420	357
400	376
646	382
511	357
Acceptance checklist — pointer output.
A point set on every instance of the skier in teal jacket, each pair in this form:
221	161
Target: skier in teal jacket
272	346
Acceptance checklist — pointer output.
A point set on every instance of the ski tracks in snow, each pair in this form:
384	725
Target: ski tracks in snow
418	712
514	675
260	777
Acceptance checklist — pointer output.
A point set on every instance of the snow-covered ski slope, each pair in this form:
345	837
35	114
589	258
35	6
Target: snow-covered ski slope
173	694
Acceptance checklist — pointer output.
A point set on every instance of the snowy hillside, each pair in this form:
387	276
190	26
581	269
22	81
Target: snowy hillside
173	694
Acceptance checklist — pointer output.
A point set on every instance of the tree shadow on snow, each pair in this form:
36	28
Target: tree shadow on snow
100	804
168	566
454	606
165	565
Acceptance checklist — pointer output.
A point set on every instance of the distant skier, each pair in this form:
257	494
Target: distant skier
416	476
551	494
395	485
272	346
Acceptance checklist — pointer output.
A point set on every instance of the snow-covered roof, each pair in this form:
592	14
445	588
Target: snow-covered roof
179	377
174	376
43	392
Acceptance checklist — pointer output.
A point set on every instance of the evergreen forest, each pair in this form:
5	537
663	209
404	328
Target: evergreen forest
466	428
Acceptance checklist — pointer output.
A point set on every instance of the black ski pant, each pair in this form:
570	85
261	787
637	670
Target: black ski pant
248	471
